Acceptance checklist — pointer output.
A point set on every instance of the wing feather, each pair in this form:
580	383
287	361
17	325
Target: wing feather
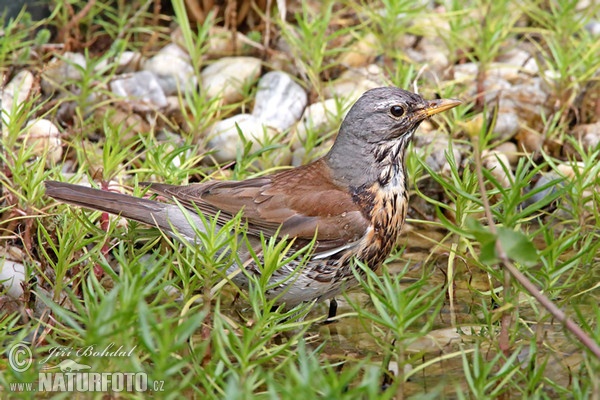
302	205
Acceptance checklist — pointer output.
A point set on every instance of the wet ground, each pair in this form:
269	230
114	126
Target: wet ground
435	359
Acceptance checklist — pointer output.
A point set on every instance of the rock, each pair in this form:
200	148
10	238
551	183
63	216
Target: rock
432	52
465	72
220	43
495	87
593	27
509	149
571	170
43	138
227	77
529	141
225	141
360	53
14	94
142	90
61	70
299	157
321	117
279	100
125	62
434	146
173	68
588	135
507	125
519	59
131	125
499	166
540	191
17	91
574	206
354	82
12	276
527	100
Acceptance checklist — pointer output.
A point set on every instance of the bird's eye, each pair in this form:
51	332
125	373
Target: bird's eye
397	111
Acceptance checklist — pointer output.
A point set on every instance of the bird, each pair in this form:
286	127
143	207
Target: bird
349	204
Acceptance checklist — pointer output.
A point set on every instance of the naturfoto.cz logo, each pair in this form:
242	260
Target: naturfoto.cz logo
71	376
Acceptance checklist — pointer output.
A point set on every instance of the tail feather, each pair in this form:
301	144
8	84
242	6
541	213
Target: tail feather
163	215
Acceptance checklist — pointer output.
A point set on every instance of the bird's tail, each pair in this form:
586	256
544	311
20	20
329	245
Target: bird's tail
167	217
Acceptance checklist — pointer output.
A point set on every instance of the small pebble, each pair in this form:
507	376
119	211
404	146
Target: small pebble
12	276
507	125
15	93
225	141
520	59
360	53
499	166
509	149
142	90
229	76
125	62
43	138
221	44
62	70
321	117
588	135
354	82
529	141
279	101
593	27
434	146
173	68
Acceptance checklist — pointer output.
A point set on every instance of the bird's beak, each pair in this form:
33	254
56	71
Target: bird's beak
437	106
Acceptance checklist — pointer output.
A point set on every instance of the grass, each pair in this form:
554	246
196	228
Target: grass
446	321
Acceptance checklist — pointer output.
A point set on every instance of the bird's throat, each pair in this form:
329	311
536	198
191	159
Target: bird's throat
389	158
384	203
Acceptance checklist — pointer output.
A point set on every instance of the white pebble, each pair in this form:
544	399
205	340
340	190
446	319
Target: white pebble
279	100
227	77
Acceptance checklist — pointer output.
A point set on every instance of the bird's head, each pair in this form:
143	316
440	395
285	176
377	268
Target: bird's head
389	113
377	130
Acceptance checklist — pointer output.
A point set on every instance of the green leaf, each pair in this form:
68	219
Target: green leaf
488	254
486	238
517	246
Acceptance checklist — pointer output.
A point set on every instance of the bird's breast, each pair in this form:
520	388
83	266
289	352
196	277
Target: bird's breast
386	207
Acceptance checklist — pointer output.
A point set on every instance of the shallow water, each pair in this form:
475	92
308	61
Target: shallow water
454	329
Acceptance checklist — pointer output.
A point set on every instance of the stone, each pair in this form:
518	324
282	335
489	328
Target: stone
509	149
60	71
15	93
125	62
226	78
174	70
43	138
142	90
220	43
499	166
280	101
354	82
321	117
12	276
224	138
360	53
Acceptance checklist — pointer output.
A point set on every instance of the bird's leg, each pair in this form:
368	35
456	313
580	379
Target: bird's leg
333	305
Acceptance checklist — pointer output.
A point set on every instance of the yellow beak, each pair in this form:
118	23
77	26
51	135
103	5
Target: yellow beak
437	106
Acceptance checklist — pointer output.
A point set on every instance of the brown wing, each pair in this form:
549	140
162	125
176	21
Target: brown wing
301	201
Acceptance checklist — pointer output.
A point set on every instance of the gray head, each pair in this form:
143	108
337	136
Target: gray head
378	128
